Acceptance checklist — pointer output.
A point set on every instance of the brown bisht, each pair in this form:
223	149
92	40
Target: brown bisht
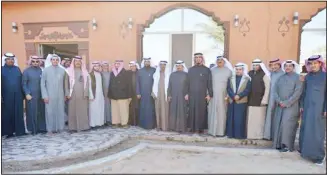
258	100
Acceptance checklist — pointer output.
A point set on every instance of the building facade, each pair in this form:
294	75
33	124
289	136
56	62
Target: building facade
116	30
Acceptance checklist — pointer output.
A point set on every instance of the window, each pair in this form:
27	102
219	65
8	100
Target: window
208	36
169	22
156	46
313	37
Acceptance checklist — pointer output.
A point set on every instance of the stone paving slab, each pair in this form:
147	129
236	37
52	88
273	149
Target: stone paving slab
46	148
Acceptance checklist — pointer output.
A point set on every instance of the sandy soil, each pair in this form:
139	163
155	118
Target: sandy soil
151	160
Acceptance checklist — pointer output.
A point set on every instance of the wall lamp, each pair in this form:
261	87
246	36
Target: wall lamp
236	20
130	23
14	27
94	24
296	18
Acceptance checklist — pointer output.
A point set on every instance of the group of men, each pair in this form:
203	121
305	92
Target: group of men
259	104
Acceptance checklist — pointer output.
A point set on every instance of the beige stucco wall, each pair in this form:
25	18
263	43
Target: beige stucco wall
105	43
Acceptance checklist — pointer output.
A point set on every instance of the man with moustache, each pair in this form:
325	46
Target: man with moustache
178	98
200	93
105	83
134	105
288	89
217	105
53	94
275	73
313	108
96	96
78	78
258	99
144	83
120	93
159	93
12	115
35	119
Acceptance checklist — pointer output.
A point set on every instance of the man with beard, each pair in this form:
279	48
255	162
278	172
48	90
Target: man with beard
53	94
314	107
42	62
238	89
120	93
178	98
35	119
304	71
144	83
78	78
276	72
134	105
200	93
106	82
159	93
212	65
66	62
217	105
96	105
288	89
258	99
12	115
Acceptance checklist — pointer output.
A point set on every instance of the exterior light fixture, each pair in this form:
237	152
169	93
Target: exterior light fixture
94	24
14	27
236	20
130	23
296	18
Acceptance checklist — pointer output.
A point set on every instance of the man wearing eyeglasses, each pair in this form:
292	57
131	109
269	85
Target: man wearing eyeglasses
35	120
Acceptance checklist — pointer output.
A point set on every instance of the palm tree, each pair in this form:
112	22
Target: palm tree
321	50
214	30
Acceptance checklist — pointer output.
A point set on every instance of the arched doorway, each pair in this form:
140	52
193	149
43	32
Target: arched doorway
313	37
181	32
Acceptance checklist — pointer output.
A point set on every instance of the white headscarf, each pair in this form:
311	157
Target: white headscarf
147	59
227	63
245	74
180	62
156	77
48	63
263	67
297	68
9	55
134	63
245	69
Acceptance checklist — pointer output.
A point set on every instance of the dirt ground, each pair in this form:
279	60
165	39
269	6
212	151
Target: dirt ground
178	157
154	160
31	166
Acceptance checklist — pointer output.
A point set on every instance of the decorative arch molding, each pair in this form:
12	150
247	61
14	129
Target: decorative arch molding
303	22
141	27
79	29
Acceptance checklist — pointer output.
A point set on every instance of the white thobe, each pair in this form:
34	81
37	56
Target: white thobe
96	110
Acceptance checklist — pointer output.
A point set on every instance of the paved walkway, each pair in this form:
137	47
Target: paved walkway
61	146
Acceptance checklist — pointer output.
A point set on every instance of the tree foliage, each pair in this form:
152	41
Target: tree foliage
214	30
